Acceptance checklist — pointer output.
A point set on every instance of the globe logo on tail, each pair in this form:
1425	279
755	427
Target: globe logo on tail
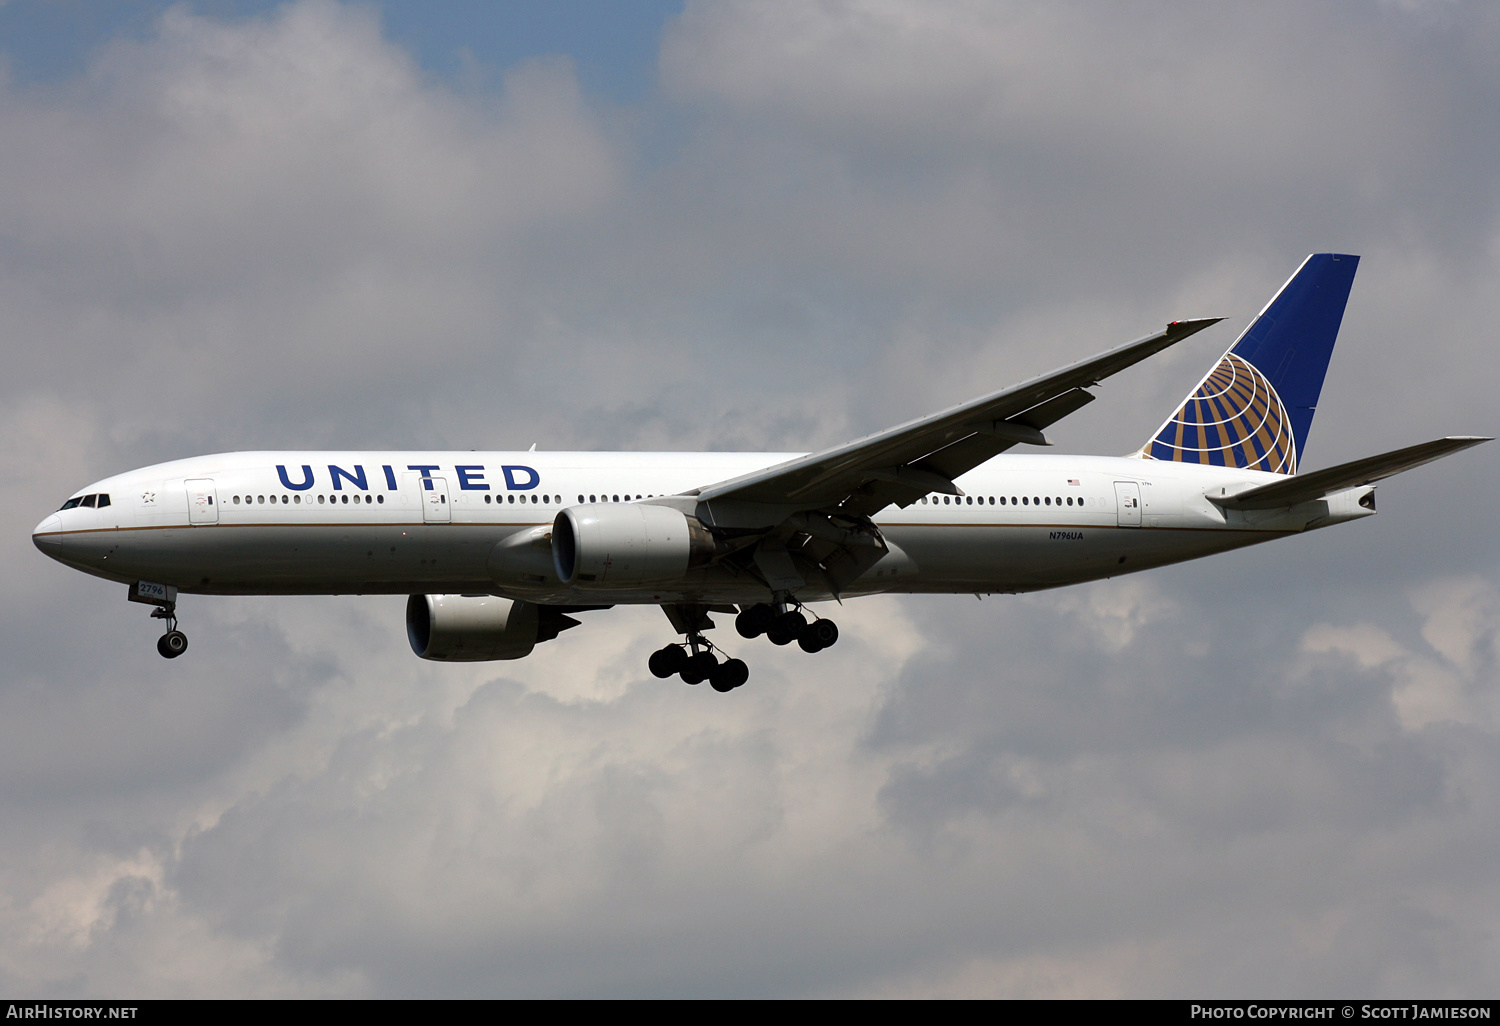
1233	419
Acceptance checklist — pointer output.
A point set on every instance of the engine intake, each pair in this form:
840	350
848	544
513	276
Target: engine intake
608	546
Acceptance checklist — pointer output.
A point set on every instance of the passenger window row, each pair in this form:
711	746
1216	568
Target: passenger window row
98	501
500	500
357	498
1025	500
253	500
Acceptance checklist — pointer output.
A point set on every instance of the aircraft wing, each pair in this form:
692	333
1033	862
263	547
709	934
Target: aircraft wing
1307	487
902	463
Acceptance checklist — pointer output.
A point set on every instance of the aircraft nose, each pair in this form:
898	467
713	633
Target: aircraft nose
48	535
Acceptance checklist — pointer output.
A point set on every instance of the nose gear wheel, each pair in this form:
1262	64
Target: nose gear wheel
173	643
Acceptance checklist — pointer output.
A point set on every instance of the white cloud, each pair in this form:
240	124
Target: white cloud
283	204
1093	91
1457	679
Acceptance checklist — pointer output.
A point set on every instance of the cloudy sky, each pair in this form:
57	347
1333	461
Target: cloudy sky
729	225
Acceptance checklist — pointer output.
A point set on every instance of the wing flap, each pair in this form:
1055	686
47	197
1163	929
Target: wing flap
988	442
1307	487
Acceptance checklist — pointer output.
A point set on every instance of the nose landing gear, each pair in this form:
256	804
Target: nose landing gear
164	597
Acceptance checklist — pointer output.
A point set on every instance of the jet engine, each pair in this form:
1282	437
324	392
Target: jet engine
609	546
471	628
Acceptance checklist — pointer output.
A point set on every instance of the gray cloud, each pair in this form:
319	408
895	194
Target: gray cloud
1271	772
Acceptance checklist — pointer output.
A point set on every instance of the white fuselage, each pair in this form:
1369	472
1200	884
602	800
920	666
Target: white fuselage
450	522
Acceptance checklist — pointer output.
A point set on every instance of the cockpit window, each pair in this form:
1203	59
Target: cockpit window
98	501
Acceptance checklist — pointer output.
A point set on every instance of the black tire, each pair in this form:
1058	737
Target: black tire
776	637
696	669
765	615
729	675
172	644
736	672
666	661
754	620
825	631
791	623
807	641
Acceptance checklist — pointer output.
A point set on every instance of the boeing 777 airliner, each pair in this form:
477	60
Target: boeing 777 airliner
499	550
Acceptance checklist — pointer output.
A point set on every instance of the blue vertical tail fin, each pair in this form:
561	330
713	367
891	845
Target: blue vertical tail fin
1254	408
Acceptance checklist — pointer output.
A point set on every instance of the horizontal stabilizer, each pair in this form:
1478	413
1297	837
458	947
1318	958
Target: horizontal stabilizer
1307	487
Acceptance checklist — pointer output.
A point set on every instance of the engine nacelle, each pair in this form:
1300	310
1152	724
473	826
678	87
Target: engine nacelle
610	546
471	628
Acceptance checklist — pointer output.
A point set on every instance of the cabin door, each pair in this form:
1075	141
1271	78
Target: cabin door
203	505
1128	503
433	492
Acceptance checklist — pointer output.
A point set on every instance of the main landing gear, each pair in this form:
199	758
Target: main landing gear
787	626
695	662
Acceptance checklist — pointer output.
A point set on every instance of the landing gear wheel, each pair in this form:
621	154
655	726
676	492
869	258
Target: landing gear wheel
698	668
729	675
667	661
755	620
791	624
172	644
818	635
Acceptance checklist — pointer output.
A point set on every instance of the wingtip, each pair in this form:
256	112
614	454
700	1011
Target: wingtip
1191	325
